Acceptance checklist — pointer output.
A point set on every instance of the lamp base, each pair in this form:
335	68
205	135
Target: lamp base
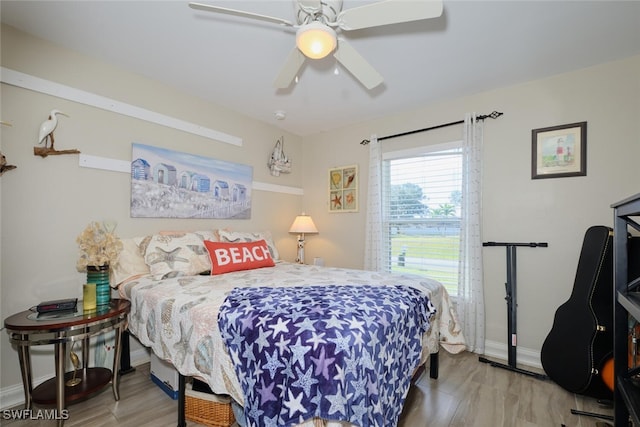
300	258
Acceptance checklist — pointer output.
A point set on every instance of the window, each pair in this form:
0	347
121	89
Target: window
422	192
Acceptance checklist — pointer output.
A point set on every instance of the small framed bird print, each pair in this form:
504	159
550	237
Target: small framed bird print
343	189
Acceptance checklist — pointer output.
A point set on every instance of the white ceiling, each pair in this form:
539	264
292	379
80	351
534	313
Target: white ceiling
473	47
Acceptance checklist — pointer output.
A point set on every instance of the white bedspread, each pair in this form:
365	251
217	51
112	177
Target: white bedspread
178	317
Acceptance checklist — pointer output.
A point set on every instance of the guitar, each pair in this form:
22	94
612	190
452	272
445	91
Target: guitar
633	360
581	339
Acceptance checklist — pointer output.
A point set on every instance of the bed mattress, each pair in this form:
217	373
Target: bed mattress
178	317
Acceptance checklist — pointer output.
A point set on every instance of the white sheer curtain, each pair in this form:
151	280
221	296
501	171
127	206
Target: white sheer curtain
470	297
470	302
373	240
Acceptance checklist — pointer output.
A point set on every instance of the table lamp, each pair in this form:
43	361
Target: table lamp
302	224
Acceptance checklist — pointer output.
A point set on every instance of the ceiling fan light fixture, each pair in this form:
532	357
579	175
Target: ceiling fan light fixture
316	40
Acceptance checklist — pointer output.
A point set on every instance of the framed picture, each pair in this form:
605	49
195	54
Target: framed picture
343	189
559	151
173	184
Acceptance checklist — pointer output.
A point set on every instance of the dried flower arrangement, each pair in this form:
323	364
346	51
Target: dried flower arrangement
98	244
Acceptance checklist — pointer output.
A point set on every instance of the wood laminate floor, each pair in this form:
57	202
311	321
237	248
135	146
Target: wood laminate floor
468	393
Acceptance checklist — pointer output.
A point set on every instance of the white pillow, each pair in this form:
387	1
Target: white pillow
180	254
240	236
130	263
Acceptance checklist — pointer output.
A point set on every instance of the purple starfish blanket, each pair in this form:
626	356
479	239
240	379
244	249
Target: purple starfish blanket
337	352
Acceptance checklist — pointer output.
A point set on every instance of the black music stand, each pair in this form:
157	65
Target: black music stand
510	287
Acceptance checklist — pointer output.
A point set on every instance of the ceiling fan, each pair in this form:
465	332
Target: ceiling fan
318	23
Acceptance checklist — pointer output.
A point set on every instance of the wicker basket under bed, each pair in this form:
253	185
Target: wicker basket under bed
208	409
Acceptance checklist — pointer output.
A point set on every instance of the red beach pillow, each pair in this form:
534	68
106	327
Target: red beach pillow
227	257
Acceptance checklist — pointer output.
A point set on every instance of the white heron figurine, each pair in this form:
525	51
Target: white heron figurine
46	134
47	127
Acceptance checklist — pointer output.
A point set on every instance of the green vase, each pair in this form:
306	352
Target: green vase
100	276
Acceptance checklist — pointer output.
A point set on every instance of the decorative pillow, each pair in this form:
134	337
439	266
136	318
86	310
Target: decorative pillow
205	234
227	257
240	236
174	255
130	263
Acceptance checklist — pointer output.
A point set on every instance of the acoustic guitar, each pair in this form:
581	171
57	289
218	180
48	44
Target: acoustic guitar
581	339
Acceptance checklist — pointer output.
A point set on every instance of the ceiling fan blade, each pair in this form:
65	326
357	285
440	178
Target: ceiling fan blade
388	12
290	69
241	13
357	65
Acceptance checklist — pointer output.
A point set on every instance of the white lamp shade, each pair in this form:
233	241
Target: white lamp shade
316	40
303	224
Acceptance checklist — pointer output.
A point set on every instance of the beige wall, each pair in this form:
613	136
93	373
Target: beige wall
45	203
515	207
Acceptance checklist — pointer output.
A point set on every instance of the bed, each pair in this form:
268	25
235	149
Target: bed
176	312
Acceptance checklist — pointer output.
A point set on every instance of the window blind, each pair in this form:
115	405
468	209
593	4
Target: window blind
421	213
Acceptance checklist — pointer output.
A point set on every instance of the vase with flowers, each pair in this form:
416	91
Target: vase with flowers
99	247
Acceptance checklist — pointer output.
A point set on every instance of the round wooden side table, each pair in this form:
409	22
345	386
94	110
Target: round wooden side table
27	329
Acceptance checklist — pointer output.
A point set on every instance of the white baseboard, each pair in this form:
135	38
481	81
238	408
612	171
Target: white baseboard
524	356
140	357
14	394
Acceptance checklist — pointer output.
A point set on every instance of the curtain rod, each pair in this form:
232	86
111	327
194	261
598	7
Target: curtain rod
493	115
